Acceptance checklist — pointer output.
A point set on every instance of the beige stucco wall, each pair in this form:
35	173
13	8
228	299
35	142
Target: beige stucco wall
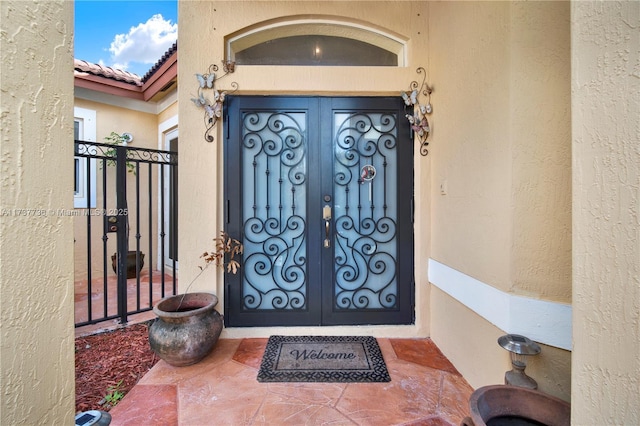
469	56
144	128
540	136
606	225
502	147
36	265
201	162
167	113
36	347
503	144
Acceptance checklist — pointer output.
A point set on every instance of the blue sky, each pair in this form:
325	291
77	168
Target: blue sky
128	35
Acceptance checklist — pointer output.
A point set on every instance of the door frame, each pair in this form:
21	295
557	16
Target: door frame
320	109
169	209
167	130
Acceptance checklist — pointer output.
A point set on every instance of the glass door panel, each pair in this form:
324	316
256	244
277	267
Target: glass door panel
274	193
365	177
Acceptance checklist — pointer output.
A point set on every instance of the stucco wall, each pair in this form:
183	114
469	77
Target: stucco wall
606	179
469	55
37	317
36	246
540	135
501	71
201	162
167	113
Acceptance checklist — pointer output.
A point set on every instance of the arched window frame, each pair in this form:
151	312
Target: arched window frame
316	25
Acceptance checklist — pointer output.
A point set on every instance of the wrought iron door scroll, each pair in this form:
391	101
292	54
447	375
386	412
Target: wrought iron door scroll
365	171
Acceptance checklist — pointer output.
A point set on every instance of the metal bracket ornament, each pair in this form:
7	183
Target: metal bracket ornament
213	110
417	112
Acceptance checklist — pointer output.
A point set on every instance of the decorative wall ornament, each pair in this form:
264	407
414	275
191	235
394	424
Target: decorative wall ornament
213	107
417	114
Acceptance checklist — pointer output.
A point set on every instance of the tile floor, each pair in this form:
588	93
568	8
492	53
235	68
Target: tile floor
145	297
222	389
425	389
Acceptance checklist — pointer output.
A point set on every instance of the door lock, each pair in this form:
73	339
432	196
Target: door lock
112	223
326	215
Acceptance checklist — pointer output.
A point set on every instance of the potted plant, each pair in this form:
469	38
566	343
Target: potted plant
187	326
119	139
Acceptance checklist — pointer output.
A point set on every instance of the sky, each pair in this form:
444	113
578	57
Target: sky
122	34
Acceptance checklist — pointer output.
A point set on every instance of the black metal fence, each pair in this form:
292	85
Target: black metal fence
125	230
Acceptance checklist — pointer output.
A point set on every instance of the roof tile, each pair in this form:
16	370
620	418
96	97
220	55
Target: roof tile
83	68
161	61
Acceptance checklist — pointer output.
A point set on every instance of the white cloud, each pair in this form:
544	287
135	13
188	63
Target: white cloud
144	44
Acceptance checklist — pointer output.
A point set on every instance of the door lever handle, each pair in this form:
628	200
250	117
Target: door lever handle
326	215
327	241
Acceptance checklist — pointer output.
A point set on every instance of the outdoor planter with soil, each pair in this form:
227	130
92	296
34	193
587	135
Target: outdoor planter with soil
187	328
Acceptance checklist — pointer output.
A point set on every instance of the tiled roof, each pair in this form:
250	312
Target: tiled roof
83	67
161	61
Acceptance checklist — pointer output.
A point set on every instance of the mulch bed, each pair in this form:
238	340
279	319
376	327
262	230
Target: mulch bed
105	359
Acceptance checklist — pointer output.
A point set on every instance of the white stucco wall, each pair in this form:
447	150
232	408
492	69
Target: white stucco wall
605	43
36	241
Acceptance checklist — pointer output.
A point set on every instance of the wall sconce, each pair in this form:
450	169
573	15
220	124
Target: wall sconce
127	138
417	115
213	110
519	348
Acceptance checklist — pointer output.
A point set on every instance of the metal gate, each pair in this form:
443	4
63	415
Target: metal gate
125	229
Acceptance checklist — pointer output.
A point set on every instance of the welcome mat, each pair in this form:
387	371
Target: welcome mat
323	359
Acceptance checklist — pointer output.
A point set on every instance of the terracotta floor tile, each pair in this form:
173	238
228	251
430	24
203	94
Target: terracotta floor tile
431	421
423	352
307	407
326	394
387	349
147	405
164	373
223	389
412	394
227	395
454	399
250	352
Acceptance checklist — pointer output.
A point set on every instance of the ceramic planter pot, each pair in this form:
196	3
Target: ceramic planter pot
187	328
512	405
132	272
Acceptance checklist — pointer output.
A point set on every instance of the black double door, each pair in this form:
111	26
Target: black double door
320	191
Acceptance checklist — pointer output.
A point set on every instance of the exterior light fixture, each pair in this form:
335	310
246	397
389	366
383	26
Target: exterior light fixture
127	138
93	418
519	348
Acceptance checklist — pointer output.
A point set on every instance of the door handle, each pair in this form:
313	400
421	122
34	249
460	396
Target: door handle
326	215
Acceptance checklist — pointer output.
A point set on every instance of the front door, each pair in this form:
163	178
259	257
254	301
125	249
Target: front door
320	191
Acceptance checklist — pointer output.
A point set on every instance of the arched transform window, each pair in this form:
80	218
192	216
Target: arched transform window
315	41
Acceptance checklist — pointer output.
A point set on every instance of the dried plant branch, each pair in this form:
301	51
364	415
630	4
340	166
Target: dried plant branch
226	248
